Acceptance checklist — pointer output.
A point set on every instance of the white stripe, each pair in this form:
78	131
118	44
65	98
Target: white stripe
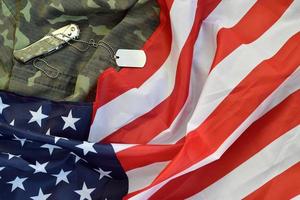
289	86
224	16
120	147
271	161
138	101
143	176
296	198
235	67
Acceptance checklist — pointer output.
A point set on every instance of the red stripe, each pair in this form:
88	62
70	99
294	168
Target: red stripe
241	102
259	19
283	186
162	116
142	155
271	126
112	83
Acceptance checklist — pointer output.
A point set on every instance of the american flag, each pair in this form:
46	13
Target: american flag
214	114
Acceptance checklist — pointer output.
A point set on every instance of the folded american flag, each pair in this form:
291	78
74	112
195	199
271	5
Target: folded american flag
214	114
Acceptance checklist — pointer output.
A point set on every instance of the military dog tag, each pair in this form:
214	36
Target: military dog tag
130	58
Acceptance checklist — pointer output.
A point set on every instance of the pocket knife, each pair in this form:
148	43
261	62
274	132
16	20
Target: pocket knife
48	44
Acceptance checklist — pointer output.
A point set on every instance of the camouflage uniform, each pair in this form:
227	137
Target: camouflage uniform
120	23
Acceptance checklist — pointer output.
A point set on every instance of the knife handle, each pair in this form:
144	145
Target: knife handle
48	44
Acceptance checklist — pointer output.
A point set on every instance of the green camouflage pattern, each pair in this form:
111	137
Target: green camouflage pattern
120	23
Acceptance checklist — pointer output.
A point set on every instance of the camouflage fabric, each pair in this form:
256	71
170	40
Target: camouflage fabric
122	24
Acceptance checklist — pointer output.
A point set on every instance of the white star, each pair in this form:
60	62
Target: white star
85	193
76	157
17	183
87	147
62	176
103	173
59	138
12	123
70	121
1	168
10	156
48	132
56	139
37	116
38	167
41	196
2	105
22	141
50	147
